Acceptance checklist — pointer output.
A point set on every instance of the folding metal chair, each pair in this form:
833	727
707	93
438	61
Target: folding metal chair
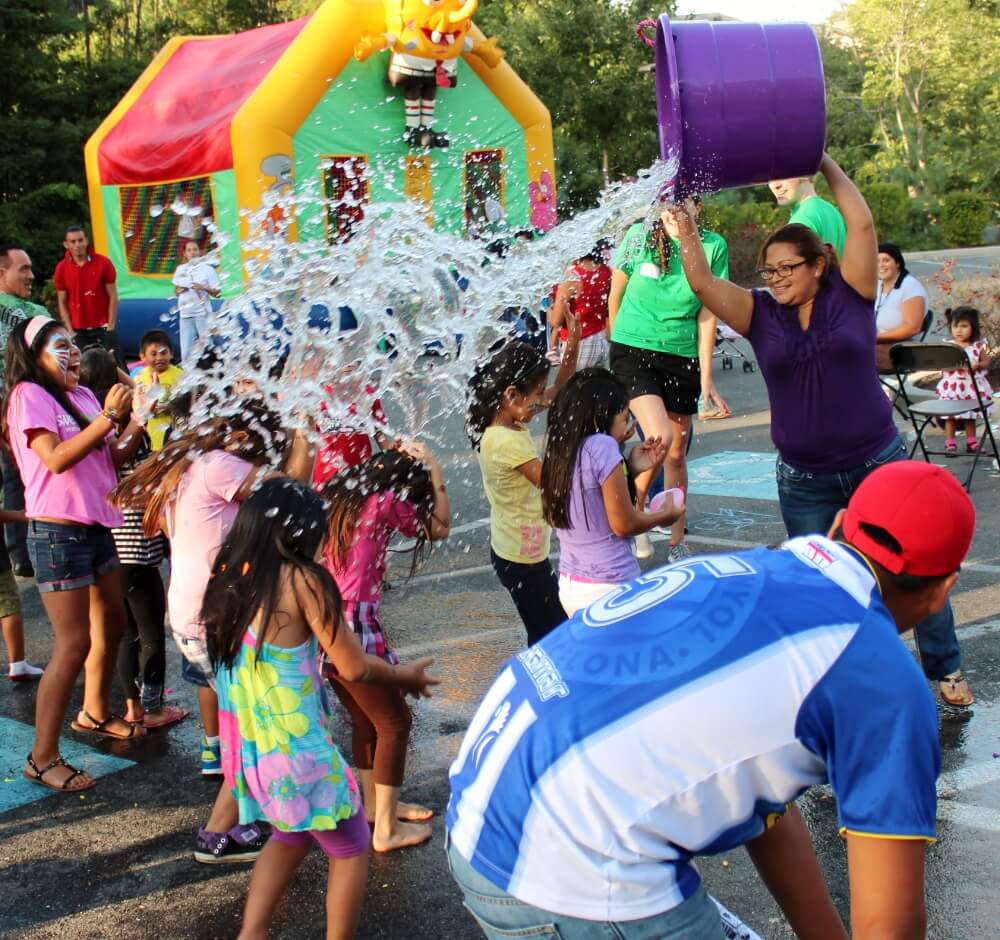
908	358
895	393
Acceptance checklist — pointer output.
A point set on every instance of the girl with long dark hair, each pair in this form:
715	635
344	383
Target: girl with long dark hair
506	391
67	449
586	492
393	491
192	490
269	608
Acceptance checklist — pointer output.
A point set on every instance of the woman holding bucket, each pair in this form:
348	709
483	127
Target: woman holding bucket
662	339
813	336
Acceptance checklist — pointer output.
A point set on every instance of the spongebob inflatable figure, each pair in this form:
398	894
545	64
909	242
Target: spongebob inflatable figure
425	38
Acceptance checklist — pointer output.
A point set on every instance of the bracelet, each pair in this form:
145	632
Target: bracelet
110	415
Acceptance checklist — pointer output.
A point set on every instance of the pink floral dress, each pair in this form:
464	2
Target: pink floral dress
956	385
277	753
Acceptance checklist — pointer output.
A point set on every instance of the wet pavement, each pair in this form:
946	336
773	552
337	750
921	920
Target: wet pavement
115	862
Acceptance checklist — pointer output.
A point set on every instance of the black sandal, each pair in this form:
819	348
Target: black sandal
100	727
38	776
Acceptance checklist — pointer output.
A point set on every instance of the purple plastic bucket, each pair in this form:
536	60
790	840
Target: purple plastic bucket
739	103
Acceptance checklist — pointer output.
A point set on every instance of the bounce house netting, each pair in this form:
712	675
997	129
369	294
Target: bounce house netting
158	218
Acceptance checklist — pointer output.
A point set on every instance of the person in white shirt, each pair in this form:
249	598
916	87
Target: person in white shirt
195	284
900	299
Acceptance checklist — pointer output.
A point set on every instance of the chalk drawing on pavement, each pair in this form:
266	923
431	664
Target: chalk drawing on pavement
16	740
726	520
739	474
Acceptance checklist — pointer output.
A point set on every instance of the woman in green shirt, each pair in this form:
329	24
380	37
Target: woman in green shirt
661	345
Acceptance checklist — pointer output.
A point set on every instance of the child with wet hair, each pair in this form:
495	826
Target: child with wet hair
268	610
192	490
505	392
394	491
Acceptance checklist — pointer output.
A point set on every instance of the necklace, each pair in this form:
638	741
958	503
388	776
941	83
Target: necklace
882	296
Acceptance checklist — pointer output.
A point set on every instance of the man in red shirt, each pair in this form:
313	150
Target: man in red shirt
88	297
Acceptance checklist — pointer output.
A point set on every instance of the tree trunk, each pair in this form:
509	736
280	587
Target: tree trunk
85	5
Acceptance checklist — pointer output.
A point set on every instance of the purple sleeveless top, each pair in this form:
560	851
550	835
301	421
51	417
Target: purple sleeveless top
828	410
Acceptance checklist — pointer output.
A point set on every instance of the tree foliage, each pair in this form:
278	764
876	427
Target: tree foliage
586	63
913	99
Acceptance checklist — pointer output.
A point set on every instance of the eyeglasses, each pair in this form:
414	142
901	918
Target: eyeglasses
782	270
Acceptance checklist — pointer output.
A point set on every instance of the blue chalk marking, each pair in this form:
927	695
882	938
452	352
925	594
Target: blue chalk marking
740	474
16	740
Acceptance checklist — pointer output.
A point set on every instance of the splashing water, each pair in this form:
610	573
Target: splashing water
419	298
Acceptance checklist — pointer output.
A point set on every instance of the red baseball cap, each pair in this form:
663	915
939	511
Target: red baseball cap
923	507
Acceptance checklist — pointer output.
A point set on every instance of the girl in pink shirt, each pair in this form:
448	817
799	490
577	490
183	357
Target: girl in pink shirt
192	490
393	491
67	452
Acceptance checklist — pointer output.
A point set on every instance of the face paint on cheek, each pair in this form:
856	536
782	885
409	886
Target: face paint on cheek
59	353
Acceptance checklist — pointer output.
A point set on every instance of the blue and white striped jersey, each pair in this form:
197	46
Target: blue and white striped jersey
678	716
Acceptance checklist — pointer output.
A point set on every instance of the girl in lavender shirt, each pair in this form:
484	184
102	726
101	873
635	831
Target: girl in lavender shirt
813	334
67	452
586	496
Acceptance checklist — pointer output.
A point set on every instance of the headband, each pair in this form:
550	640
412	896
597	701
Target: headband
34	327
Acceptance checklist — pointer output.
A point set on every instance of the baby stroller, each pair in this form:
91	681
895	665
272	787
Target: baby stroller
726	346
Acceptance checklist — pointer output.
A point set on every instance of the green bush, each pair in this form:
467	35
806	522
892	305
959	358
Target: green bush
890	206
744	226
964	217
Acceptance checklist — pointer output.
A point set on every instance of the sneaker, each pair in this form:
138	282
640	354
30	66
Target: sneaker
211	759
239	846
641	546
678	552
23	671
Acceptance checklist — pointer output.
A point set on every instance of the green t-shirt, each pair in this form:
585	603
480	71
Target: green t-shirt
13	310
824	219
660	311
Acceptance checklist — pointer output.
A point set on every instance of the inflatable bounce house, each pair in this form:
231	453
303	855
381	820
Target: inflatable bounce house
344	104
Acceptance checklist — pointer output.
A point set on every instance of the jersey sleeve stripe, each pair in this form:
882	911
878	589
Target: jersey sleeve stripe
844	831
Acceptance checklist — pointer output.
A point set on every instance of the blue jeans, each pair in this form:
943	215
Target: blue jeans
809	504
501	916
810	501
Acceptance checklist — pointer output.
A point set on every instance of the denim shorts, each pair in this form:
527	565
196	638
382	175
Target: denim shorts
69	557
196	666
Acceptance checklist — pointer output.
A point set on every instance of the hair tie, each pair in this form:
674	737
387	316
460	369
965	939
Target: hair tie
34	327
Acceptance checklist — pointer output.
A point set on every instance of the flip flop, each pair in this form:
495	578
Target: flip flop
714	415
171	715
955	691
100	728
38	776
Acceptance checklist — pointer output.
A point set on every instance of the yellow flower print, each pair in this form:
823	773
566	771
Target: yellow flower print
268	713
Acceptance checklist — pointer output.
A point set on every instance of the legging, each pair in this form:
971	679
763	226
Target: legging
142	654
380	729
